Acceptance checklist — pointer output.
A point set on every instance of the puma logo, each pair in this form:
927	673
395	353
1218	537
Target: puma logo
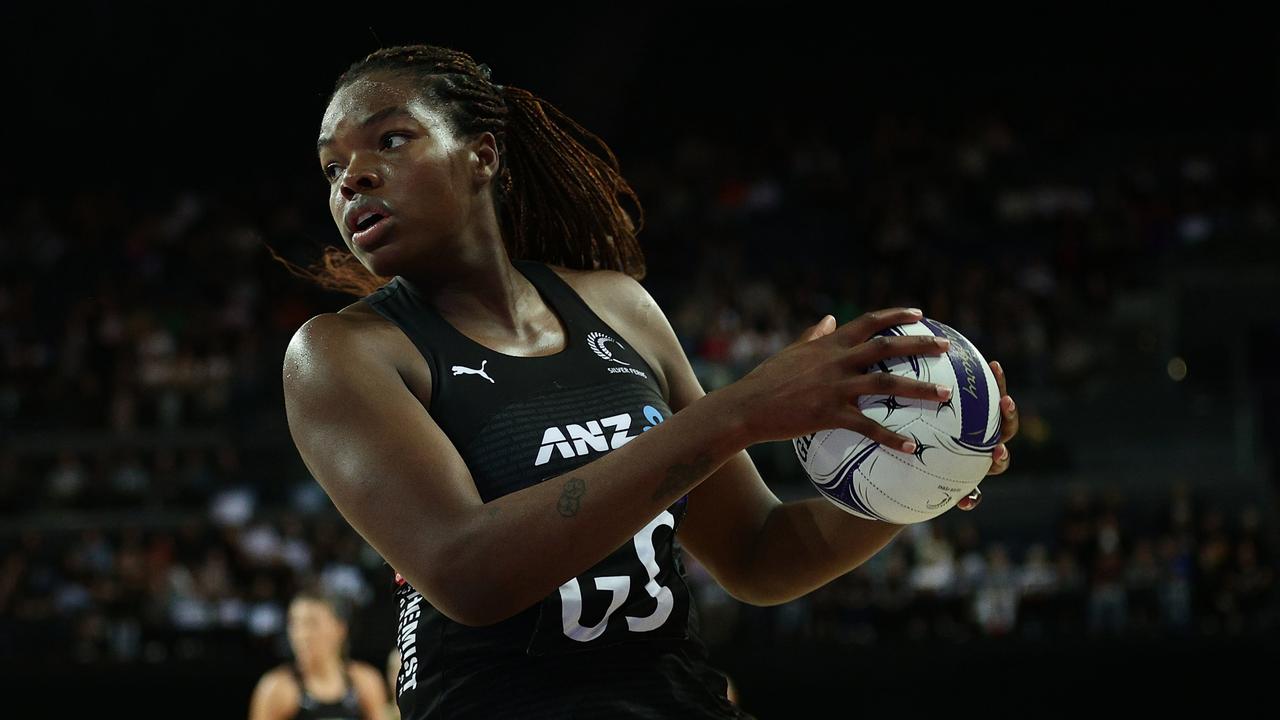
460	370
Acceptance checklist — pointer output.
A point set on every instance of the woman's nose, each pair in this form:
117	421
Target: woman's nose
359	179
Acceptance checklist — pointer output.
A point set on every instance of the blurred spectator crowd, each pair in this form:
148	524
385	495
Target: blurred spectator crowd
1105	572
152	505
205	589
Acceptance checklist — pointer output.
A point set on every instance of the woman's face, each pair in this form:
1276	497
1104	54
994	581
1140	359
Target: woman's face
400	183
314	630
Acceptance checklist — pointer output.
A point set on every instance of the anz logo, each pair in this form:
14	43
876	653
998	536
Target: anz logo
603	435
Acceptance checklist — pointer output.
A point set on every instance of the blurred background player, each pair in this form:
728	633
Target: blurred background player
320	681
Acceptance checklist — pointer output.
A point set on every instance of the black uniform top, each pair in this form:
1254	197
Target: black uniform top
346	707
618	641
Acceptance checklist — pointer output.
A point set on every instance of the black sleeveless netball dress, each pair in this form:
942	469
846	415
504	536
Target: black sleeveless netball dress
618	641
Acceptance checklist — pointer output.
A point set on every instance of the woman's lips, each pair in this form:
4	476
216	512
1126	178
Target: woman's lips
373	236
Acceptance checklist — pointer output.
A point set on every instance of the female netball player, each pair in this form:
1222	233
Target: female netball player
320	683
508	418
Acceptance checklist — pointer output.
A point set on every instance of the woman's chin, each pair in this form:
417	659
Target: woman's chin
383	261
313	656
383	269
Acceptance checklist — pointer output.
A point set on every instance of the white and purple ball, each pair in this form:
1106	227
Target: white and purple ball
954	437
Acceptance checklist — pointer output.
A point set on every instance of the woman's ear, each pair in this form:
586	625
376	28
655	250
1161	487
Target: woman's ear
484	156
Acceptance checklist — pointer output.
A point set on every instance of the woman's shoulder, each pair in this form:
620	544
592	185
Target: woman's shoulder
615	292
354	328
334	352
626	305
579	275
366	678
279	687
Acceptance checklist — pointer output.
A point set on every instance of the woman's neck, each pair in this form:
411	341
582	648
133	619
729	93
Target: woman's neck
321	668
485	292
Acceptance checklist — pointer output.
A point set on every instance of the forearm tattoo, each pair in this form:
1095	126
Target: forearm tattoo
571	497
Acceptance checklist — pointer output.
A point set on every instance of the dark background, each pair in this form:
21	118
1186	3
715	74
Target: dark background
124	109
207	94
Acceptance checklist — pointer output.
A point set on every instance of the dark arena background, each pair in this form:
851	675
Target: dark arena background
1094	202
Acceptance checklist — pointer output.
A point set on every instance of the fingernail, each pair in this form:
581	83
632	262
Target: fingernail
1011	406
942	343
944	392
908	446
998	368
915	311
1001	451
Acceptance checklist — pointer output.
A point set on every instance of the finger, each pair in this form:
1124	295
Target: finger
883	383
970	501
864	326
1009	421
999	460
864	425
882	347
813	332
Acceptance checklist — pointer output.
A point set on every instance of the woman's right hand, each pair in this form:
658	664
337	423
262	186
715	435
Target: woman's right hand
814	383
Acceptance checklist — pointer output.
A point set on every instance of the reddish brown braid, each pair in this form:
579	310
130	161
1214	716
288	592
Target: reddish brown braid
557	201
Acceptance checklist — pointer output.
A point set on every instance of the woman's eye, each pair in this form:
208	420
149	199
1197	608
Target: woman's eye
389	140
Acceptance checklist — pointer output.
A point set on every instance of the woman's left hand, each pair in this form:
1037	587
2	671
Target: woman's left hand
1008	428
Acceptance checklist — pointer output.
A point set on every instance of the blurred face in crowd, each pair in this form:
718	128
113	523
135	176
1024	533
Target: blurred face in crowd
314	630
402	187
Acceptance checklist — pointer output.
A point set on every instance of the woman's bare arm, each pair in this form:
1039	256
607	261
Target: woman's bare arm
398	480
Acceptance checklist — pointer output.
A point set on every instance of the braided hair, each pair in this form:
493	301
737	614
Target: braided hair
556	200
